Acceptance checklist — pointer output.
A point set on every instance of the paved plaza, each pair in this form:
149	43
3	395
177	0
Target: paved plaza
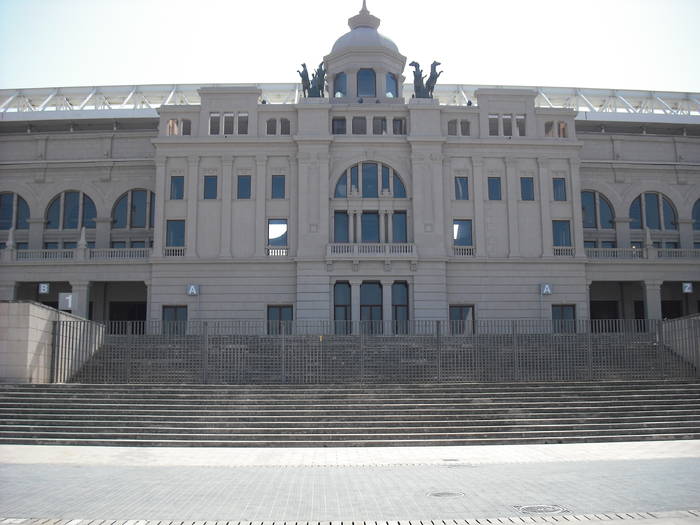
649	482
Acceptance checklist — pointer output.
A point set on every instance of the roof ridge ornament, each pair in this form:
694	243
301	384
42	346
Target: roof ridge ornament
364	19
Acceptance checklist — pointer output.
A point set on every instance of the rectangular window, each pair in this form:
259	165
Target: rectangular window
399	126
590	244
494	188
527	188
272	126
461	319
177	188
285	126
399	226
71	203
608	244
210	183
588	209
21	246
385	178
564	318
338	126
341	231
371	307
186	126
279	319
174	320
461	188
559	189
370	182
399	307
173	128
50	246
651	207
359	126
562	130
370	226
175	233
243	190
549	129
214	123
462	232
117	244
243	123
493	125
228	123
138	208
452	127
561	233
277	187
277	232
137	244
464	128
342	308
507	125
379	125
520	123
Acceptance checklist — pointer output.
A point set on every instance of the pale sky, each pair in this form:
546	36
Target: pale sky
621	44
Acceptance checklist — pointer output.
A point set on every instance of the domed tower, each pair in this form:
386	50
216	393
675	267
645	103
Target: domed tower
364	63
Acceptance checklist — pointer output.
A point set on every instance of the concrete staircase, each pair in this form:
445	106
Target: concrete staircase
349	415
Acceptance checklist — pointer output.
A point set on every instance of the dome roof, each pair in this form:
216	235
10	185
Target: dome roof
363	34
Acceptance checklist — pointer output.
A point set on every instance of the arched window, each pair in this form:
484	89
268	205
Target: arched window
340	85
654	211
134	209
371	180
696	215
71	210
392	86
14	212
366	83
597	211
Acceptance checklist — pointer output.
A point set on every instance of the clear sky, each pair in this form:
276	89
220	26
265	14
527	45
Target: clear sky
623	44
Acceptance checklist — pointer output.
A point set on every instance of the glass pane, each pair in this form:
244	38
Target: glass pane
210	186
588	209
278	186
243	123
338	126
214	124
651	208
89	212
670	220
119	213
53	214
494	188
527	189
608	244
561	233
399	188
366	83
370	227
696	215
464	128
277	232
452	127
371	294
186	126
399	126
152	210
340	228
228	124
22	214
590	244
520	122
272	126
341	189
50	246
6	210
399	294
493	125
507	125
177	187
461	188
359	125
285	127
138	209
462	232
286	313
273	313
385	178
399	227
392	86
341	294
118	244
71	206
244	186
370	187
379	125
137	244
354	182
607	217
175	233
559	189
340	85
636	214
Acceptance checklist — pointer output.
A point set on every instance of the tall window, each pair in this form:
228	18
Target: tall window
210	187
494	188
399	307
461	318
370	226
399	126
134	209
654	211
399	225
379	125
243	123
461	188
341	232
370	180
279	319
342	308
243	190
71	210
175	233
696	215
371	306
14	212
340	85
561	233
338	126
277	232
277	187
214	123
228	123
527	189
559	189
392	86
272	126
462	232
597	211
174	319
359	126
366	83
177	187
564	318
285	126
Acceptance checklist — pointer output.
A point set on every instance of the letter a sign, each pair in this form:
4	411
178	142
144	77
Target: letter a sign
192	289
546	289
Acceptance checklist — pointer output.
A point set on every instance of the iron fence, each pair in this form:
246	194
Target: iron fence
317	352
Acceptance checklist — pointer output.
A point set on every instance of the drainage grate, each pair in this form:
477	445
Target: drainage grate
445	494
541	509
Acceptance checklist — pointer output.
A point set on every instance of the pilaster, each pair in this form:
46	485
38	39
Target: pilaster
479	220
159	217
512	202
652	299
543	173
260	205
81	298
226	206
192	201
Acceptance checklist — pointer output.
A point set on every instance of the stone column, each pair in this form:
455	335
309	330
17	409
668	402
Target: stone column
226	206
577	226
382	227
543	173
479	219
355	303
386	305
512	202
81	298
161	190
260	205
192	201
351	226
652	299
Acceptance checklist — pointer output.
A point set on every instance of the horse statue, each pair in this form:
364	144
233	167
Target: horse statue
305	84
432	79
418	77
318	82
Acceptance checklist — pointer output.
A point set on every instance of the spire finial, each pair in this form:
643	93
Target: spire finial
364	18
364	10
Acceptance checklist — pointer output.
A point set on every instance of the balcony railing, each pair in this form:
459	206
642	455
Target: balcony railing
120	254
641	253
44	255
463	251
77	255
669	253
371	250
277	251
174	251
564	251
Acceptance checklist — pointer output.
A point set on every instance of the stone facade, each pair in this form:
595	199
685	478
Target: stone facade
470	208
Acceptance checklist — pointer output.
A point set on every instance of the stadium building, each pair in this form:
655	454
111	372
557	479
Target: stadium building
256	202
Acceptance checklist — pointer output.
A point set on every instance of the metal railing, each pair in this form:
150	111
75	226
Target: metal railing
316	352
463	251
567	251
74	344
174	252
111	254
371	249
